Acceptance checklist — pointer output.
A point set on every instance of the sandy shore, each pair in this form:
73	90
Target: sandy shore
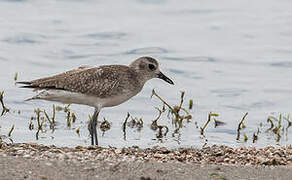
35	161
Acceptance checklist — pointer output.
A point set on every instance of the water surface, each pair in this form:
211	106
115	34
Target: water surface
230	57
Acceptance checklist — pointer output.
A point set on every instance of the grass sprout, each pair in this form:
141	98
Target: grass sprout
241	125
10	131
104	126
178	118
4	108
210	115
16	76
125	126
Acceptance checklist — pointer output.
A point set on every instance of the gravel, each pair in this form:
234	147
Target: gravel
36	161
208	155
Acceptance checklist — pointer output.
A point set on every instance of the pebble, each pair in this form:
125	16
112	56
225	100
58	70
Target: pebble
214	154
26	156
49	164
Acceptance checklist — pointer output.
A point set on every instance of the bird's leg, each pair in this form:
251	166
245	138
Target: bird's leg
92	128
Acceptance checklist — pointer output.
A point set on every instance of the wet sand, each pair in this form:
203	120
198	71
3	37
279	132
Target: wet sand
35	161
23	168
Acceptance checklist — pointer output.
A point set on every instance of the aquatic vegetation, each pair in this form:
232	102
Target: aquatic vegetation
31	126
10	131
43	119
164	102
191	103
245	138
278	126
270	120
160	133
38	117
177	118
54	114
59	108
125	125
240	126
73	116
68	117
4	108
275	125
135	123
255	136
40	124
16	76
104	126
154	126
78	131
210	116
176	113
52	125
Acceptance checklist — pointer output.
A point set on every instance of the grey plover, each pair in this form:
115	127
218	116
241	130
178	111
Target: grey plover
98	87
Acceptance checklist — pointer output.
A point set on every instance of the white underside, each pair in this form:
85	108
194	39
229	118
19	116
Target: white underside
68	97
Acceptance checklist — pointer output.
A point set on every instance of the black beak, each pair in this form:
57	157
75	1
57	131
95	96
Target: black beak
162	76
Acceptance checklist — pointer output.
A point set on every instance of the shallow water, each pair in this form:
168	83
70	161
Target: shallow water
230	57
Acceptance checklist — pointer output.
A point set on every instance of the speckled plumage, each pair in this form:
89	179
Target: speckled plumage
98	87
102	82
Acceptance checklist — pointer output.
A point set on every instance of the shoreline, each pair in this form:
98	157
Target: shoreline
32	160
214	154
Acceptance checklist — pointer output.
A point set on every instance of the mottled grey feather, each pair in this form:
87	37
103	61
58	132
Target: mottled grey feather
103	81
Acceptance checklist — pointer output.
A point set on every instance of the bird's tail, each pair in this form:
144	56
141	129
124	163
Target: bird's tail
26	84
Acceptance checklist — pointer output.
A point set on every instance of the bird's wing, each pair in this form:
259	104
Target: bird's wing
98	81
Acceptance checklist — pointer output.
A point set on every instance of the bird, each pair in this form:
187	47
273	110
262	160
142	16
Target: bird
97	87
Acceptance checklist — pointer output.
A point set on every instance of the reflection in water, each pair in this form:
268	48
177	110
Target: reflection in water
104	126
174	114
134	123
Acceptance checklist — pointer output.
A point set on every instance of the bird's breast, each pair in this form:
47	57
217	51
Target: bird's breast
117	100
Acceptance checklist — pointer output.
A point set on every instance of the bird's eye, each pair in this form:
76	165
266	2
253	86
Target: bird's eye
151	67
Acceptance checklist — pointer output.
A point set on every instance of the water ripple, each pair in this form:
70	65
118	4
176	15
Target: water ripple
20	40
69	56
148	50
27	38
12	0
238	107
228	92
261	104
286	64
3	59
253	106
200	11
274	90
80	56
192	59
106	35
189	75
176	71
152	1
194	11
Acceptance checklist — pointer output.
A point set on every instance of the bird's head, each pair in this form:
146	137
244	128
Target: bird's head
149	68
